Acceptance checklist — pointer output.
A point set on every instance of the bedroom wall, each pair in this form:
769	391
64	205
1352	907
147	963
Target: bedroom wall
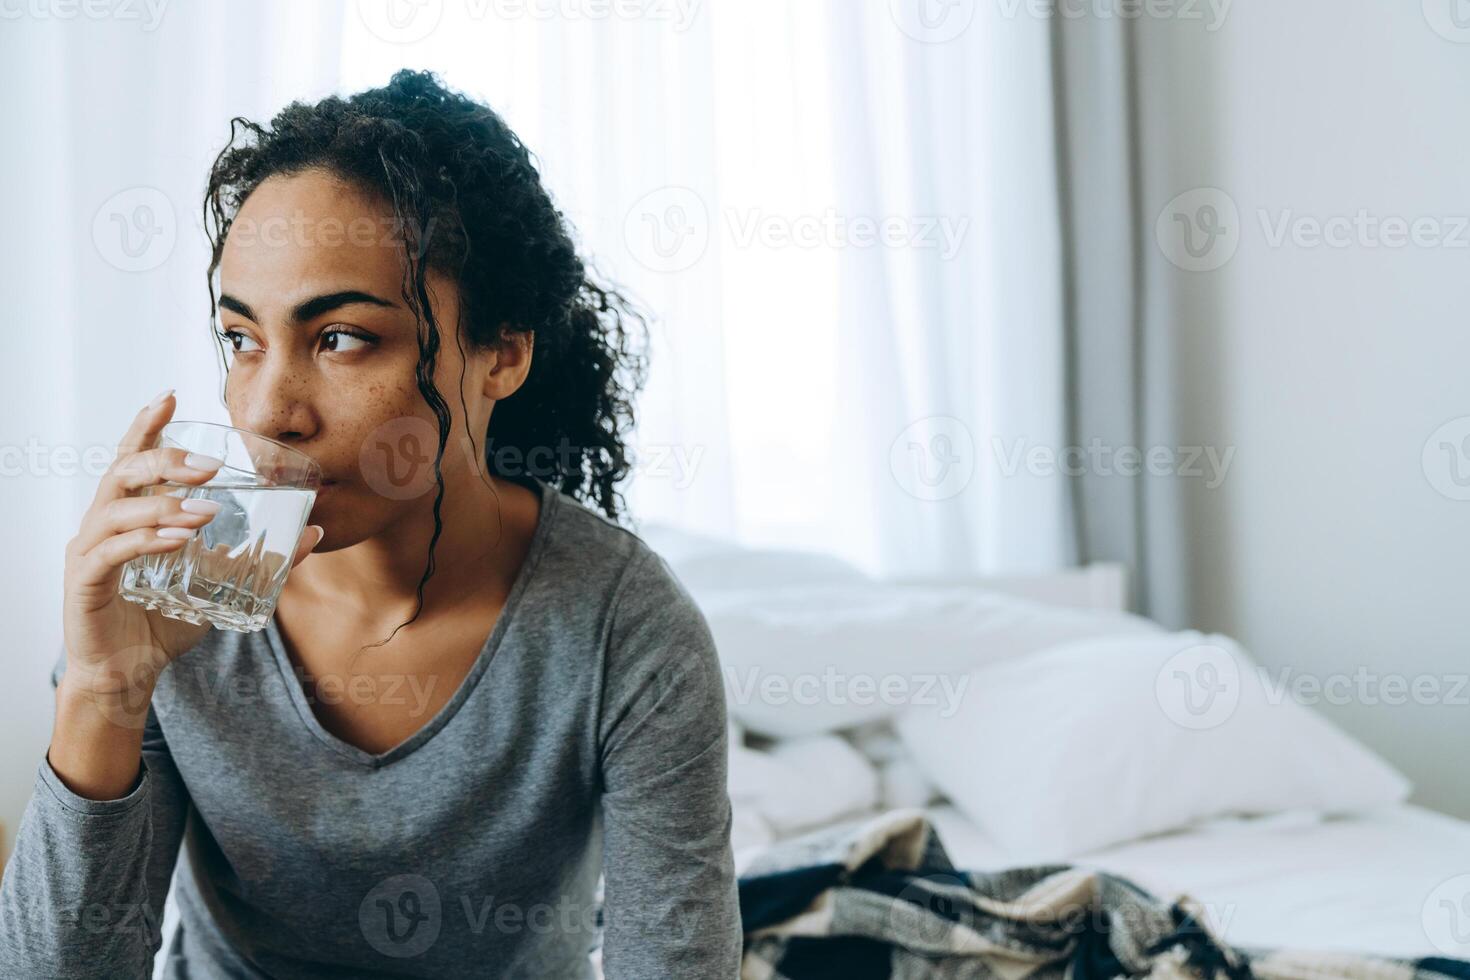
1332	548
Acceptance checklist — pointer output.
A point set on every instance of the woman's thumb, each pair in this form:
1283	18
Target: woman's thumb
310	538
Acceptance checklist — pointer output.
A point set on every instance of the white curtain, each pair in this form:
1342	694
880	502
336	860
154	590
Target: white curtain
843	216
111	123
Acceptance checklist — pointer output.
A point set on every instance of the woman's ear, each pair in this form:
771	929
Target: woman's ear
510	362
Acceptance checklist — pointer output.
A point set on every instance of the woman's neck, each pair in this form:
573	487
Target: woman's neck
486	534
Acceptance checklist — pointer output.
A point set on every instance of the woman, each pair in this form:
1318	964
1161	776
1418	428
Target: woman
479	692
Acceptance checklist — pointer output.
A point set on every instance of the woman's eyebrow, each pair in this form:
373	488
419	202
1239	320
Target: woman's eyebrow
310	309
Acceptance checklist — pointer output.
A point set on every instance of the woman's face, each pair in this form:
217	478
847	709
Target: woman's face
325	352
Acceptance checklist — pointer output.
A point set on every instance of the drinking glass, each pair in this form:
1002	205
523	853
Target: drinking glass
230	573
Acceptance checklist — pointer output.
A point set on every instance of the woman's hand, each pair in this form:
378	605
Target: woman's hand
115	649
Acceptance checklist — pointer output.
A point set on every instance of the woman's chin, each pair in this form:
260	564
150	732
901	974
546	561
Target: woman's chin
325	495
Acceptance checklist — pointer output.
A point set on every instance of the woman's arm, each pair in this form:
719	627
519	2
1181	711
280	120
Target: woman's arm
670	904
83	893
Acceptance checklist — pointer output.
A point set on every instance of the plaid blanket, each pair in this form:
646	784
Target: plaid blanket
878	899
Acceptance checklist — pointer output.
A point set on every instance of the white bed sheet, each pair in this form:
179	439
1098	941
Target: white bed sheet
1366	883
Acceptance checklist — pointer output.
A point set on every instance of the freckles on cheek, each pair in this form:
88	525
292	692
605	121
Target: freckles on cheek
369	392
404	398
378	403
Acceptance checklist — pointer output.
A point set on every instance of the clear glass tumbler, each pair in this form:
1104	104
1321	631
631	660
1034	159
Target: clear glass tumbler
230	573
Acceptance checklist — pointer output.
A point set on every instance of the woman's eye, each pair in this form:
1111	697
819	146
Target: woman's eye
349	338
234	337
337	341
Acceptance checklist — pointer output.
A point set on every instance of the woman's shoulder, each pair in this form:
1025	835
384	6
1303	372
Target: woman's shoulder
641	588
598	545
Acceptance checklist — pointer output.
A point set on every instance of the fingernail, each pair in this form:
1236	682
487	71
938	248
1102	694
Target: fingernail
321	532
158	399
196	506
198	461
175	532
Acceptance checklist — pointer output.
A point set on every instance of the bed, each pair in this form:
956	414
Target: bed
1364	884
1381	882
1390	880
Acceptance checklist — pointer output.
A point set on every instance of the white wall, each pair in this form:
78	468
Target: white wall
1328	549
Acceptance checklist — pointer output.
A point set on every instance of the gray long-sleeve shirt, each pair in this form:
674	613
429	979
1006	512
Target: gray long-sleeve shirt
590	736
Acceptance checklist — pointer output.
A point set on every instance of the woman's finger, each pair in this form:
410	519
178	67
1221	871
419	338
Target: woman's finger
158	510
154	466
310	538
101	568
142	434
114	511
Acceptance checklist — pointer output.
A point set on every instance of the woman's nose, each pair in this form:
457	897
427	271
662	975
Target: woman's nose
276	403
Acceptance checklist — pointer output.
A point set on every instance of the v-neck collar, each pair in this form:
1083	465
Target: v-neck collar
550	501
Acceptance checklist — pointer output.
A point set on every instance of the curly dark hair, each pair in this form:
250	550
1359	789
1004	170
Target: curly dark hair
468	202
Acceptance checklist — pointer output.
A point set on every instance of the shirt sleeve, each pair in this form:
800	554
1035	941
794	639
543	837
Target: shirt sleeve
670	904
83	892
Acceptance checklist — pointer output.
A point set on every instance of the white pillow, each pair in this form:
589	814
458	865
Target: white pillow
748	828
901	783
702	574
1101	741
676	544
816	658
801	783
704	563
